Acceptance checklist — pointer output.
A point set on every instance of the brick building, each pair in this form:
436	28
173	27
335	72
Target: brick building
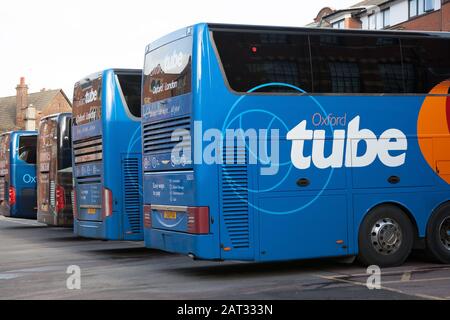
24	110
426	15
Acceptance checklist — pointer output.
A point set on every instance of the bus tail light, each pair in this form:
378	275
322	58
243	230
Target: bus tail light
12	196
60	198
147	217
107	205
198	220
74	204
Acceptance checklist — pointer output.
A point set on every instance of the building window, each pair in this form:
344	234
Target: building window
418	7
339	24
386	15
428	5
413	8
372	22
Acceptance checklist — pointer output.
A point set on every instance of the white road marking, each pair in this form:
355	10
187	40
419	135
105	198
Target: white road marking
419	280
356	283
8	276
21	221
399	272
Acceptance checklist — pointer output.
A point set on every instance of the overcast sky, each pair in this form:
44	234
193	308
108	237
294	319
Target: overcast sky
55	43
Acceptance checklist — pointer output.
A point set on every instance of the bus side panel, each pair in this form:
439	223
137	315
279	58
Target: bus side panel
320	230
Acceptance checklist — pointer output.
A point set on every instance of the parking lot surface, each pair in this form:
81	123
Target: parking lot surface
34	261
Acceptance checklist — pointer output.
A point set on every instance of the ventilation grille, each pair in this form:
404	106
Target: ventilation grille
52	194
158	136
88	151
72	198
2	189
235	197
132	198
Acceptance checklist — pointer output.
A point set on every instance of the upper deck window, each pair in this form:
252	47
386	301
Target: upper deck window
331	62
426	63
131	90
168	71
356	64
253	59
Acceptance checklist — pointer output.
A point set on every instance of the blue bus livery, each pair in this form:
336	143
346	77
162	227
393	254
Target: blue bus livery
107	156
18	174
270	143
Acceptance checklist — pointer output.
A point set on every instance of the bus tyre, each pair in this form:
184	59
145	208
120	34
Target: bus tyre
438	235
385	237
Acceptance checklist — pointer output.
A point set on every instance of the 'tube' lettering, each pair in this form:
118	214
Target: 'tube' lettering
345	147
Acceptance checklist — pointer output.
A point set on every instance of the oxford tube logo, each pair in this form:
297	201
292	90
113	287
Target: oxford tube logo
434	121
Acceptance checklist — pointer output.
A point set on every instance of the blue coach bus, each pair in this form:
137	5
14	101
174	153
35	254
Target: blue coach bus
54	171
18	174
273	143
107	156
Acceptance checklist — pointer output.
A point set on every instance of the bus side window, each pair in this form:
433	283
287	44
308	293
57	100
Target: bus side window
131	90
356	64
255	59
426	63
27	149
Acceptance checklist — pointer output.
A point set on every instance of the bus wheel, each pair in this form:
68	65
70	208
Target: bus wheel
385	237
438	235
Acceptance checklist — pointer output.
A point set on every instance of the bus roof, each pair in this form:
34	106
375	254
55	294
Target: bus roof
56	115
254	28
97	74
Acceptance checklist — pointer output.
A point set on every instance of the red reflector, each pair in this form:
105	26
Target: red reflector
198	220
147	217
107	203
12	196
74	204
254	49
60	198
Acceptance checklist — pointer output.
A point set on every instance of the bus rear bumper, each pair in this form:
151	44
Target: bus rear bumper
89	229
59	220
199	246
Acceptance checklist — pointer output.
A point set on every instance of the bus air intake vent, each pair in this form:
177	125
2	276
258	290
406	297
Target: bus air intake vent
158	136
2	188
52	194
235	197
88	150
132	197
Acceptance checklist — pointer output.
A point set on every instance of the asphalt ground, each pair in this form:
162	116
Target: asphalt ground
34	260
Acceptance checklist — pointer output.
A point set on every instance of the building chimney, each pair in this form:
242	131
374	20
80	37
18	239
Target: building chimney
21	103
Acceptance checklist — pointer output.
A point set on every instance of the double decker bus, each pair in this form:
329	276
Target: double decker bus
276	143
18	174
54	171
107	156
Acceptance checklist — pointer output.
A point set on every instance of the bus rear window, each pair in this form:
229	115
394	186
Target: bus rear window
131	90
87	104
27	149
168	71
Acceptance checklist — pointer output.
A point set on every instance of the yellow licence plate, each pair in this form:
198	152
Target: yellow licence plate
170	215
92	211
